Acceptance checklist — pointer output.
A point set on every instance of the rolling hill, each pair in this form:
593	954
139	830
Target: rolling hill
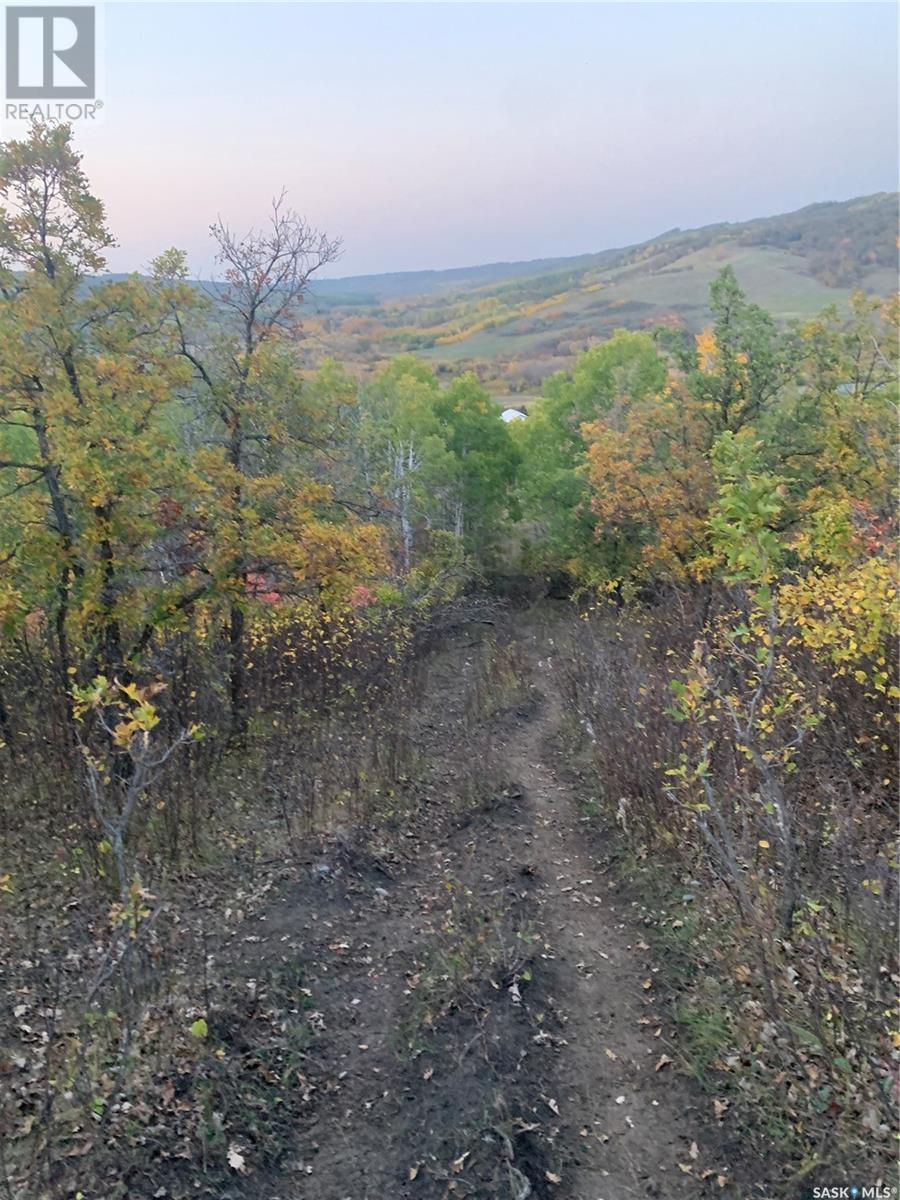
522	319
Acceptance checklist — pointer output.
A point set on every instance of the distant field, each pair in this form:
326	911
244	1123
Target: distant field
770	278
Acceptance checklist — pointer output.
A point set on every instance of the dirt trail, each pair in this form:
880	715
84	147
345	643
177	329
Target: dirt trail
627	1124
534	1079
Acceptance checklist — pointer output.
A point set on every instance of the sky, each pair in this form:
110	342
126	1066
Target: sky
437	135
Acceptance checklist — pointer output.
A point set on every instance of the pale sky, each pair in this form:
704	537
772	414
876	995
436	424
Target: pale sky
436	135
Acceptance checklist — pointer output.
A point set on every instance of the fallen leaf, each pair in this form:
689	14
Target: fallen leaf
80	1151
664	1061
551	1178
694	1150
236	1160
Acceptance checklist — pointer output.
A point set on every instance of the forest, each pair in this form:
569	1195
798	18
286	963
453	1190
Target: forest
308	671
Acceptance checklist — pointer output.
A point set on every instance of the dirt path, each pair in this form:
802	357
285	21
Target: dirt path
632	1130
484	1023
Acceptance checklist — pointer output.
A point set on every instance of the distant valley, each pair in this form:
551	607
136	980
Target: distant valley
517	322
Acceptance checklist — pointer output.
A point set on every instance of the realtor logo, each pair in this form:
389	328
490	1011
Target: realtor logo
50	52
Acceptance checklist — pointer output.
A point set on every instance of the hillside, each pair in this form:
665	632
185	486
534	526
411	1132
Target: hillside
393	285
530	317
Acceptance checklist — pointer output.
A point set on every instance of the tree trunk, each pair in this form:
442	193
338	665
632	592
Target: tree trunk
236	616
237	672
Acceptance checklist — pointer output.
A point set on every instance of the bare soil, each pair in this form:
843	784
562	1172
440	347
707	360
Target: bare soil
482	1010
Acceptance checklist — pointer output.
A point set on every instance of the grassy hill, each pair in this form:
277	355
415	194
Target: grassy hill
520	320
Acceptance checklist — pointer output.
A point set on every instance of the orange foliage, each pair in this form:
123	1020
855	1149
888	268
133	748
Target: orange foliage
649	472
707	350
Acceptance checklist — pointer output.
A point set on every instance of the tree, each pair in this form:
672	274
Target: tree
266	510
650	456
652	483
486	461
736	368
406	459
87	452
554	485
